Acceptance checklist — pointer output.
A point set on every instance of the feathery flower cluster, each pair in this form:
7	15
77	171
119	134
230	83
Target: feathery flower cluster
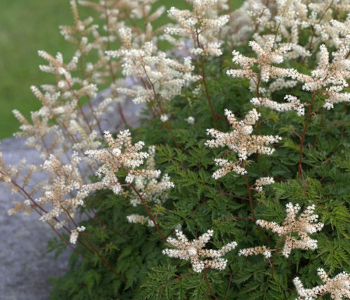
259	183
283	18
65	81
227	167
244	21
164	118
333	76
163	77
199	26
65	181
9	175
194	250
303	226
138	219
338	287
24	207
56	65
190	120
80	28
38	132
240	139
159	79
147	185
265	58
276	85
121	154
255	251
74	234
73	127
293	104
116	12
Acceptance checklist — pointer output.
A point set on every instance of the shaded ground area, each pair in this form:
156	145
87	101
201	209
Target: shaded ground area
25	267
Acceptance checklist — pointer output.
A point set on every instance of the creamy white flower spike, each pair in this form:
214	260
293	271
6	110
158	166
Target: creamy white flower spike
165	77
150	187
338	287
304	225
255	251
120	154
241	141
259	183
293	103
74	236
136	218
193	251
203	22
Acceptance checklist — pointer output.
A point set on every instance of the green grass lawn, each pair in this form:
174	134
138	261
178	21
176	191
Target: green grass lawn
26	27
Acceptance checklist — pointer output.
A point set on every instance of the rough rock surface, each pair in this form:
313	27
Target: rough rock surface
25	265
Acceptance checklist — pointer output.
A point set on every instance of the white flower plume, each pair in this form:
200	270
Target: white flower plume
120	154
303	226
240	139
194	250
338	287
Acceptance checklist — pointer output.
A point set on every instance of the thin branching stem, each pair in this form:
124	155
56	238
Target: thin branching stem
208	95
205	83
275	256
208	284
40	210
111	71
302	138
250	197
149	213
109	266
321	123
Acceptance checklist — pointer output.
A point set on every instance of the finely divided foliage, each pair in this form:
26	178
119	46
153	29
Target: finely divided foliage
255	150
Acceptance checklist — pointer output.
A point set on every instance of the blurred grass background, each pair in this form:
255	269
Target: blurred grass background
26	27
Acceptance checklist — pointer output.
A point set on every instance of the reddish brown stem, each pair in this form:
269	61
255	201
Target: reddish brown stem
79	104
234	196
149	213
205	82
178	278
95	250
120	109
274	257
250	197
207	282
321	123
207	94
40	211
304	133
69	244
229	285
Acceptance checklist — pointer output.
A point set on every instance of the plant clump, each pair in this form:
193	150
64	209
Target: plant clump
244	132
